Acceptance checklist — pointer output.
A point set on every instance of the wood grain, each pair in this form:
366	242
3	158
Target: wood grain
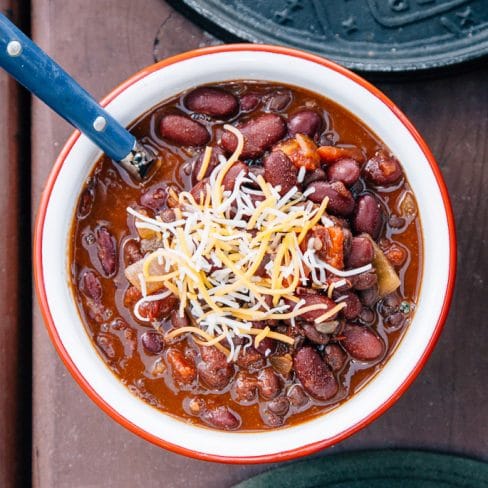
14	292
102	42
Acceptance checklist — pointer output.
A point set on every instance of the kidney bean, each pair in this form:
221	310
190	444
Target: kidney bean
90	285
279	406
199	191
313	334
182	367
331	154
341	201
296	395
269	384
315	299
361	252
369	296
361	343
132	252
277	100
155	197
211	101
213	163
315	175
153	342
250	359
249	102
260	133
346	170
177	321
97	311
280	171
383	170
364	280
214	369
314	374
347	236
368	216
158	309
106	251
109	345
335	357
86	202
221	417
183	130
244	388
353	306
306	122
234	171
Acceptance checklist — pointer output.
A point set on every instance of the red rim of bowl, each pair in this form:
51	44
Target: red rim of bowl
292	453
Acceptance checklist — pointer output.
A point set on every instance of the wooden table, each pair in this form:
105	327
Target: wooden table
74	444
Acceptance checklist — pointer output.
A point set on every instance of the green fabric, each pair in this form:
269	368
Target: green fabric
376	469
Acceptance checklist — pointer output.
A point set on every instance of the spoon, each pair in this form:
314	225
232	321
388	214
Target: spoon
42	76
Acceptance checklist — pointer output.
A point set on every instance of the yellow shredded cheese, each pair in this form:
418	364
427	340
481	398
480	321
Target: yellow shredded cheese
260	337
210	255
198	332
272	335
205	162
330	313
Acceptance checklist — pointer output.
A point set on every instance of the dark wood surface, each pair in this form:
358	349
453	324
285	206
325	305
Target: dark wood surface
15	297
101	42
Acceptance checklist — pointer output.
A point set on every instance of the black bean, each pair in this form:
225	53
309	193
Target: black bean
153	342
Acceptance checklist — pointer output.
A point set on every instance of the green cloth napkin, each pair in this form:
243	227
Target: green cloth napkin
376	469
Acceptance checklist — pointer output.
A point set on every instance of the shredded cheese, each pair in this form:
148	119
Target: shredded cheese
330	313
205	162
210	256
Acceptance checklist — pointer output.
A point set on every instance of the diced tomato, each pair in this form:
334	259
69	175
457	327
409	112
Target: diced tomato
330	247
331	154
301	151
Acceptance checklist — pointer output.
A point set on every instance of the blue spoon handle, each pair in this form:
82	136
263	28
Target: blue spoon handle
34	69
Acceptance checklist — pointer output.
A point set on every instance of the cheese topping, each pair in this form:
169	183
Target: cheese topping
211	256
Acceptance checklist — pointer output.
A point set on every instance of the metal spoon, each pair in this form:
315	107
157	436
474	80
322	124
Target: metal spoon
43	77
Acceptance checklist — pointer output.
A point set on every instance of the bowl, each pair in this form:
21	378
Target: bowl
231	62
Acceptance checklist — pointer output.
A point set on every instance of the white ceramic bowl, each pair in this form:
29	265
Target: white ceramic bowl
233	62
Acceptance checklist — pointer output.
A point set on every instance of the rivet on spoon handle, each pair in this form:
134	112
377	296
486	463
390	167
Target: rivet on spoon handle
43	77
